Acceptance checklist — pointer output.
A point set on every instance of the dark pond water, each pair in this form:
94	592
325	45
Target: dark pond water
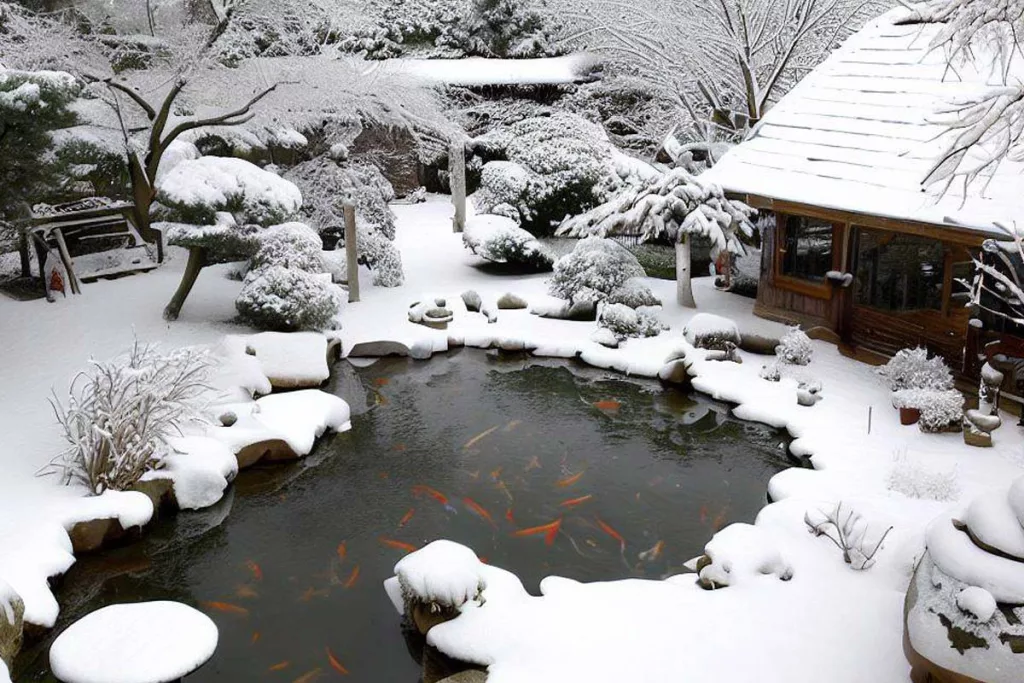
502	445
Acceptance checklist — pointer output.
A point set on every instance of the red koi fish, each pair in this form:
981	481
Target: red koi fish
476	439
607	406
420	489
381	381
342	551
352	578
280	666
399	545
476	507
573	502
703	514
254	568
406	517
613	533
508	516
225	607
569	481
335	664
309	676
550	531
399	447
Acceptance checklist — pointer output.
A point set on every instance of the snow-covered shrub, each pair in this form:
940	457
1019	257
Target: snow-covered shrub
771	372
120	413
195	190
633	293
914	480
625	322
297	29
593	270
713	332
286	300
382	257
913	369
940	409
221	241
746	273
500	240
794	347
848	532
550	167
292	245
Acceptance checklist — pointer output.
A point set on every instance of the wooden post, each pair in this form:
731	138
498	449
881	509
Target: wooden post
351	253
684	288
457	180
26	265
65	257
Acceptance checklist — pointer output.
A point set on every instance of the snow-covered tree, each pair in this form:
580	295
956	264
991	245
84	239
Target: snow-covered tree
593	271
988	128
723	63
509	29
675	206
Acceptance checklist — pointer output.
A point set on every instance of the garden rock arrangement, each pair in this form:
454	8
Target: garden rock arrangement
965	606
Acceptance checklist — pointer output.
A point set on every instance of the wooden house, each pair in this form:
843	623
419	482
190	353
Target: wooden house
855	241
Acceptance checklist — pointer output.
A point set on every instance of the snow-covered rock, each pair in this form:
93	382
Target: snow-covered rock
443	573
977	602
955	554
200	469
710	331
291	360
143	642
738	553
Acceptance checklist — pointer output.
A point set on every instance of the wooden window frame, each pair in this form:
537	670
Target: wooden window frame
817	290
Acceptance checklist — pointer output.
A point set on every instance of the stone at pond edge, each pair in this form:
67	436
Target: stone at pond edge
467	676
269	450
12	632
227	419
581	311
758	343
675	373
973	437
159	490
472	301
421	350
93	534
377	349
510	301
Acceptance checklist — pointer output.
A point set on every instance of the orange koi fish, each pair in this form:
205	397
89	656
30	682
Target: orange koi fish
573	502
405	518
496	474
257	573
383	475
280	666
719	521
399	545
311	593
225	607
703	514
255	638
309	676
534	464
342	551
508	516
652	554
433	493
482	435
245	591
569	481
399	447
608	405
381	381
335	664
483	559
512	425
612	532
550	530
351	581
476	507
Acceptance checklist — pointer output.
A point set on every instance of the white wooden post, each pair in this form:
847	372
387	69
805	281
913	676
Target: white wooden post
457	180
684	289
351	253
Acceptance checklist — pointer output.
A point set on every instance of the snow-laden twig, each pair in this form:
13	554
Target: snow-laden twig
847	533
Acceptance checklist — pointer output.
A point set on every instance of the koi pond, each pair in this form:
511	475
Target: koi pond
542	467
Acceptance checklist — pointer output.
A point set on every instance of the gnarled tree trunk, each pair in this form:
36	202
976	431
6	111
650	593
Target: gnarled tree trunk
684	288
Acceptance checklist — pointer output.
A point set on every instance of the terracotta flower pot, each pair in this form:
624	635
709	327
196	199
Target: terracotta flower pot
909	416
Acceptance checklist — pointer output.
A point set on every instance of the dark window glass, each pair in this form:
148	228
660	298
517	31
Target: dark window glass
807	249
899	272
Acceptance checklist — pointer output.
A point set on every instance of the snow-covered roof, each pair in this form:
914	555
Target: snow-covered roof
861	132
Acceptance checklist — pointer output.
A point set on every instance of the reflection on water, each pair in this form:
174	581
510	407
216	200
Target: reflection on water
541	467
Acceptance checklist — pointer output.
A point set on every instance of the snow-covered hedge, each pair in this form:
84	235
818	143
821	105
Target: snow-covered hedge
286	300
499	239
382	257
795	347
633	293
593	270
625	322
913	369
551	167
292	245
195	190
941	409
709	331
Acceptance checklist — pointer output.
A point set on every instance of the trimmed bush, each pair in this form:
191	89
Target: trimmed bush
795	347
593	270
500	240
292	245
288	300
625	322
633	293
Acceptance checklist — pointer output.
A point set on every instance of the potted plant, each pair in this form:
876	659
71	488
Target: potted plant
908	402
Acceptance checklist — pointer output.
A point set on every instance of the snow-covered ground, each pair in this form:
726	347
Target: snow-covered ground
829	622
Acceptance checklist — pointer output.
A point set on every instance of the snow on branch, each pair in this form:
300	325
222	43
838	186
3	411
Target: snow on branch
848	533
670	207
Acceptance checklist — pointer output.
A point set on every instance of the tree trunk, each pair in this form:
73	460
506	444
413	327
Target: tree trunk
684	290
351	253
457	180
143	195
196	260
